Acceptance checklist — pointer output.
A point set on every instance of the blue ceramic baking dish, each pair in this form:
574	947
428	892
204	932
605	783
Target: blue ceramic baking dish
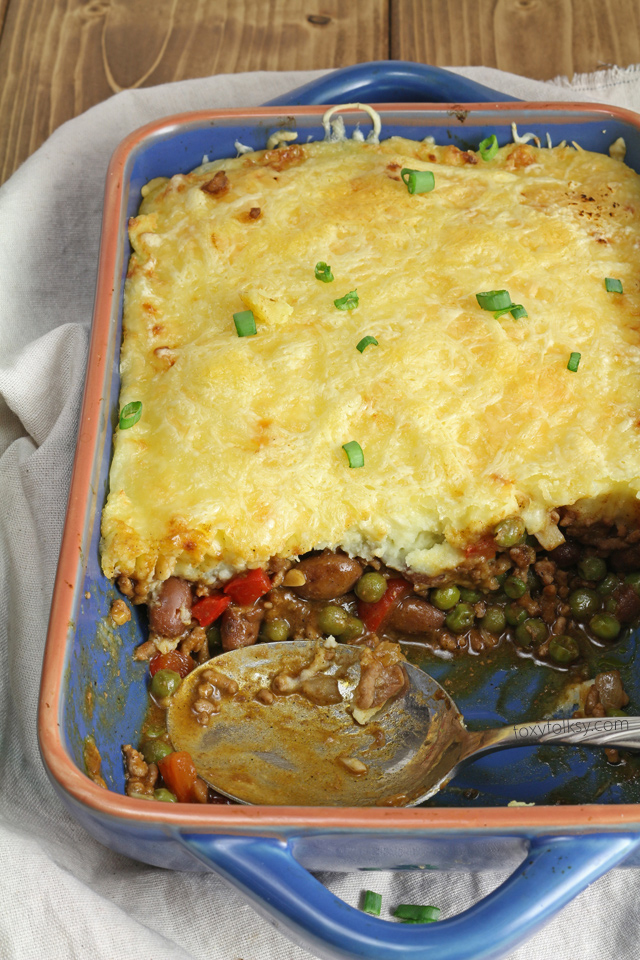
92	688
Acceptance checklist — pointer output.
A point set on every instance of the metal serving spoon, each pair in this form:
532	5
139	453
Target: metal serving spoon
292	751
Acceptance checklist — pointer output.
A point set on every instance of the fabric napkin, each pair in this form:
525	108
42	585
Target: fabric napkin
63	895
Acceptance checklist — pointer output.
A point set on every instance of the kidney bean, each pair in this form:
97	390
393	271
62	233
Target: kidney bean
391	682
328	575
566	555
610	689
625	561
239	627
413	615
378	683
165	614
627	603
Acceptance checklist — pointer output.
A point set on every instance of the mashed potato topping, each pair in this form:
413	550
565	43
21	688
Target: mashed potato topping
463	418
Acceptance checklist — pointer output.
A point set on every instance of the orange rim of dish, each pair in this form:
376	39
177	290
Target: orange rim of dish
231	819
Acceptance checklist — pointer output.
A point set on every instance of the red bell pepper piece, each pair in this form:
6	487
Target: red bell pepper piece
248	587
484	547
179	774
181	663
209	608
372	614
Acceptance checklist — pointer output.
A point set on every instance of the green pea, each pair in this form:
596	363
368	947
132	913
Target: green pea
461	618
514	587
583	603
501	577
608	585
633	579
592	568
155	750
164	683
214	638
154	731
470	596
515	614
611	605
332	620
533	582
522	635
614	712
608	663
531	631
564	649
444	598
371	587
164	795
604	626
538	629
509	532
275	631
353	630
494	620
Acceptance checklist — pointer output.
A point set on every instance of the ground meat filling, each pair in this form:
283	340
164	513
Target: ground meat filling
553	606
141	776
519	594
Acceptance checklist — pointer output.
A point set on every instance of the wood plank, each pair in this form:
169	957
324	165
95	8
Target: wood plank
3	12
534	38
59	57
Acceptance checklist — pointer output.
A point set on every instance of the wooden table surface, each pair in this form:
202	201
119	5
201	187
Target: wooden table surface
59	57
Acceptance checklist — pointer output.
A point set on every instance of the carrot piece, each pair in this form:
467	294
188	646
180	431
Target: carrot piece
181	663
179	774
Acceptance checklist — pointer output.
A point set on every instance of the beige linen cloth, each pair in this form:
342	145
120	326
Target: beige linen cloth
63	895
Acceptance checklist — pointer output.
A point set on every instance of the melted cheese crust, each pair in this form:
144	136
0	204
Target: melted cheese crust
463	419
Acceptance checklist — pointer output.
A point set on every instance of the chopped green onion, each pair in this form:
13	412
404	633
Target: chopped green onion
372	903
612	286
488	148
130	414
245	323
418	181
354	453
494	300
515	309
349	302
366	342
574	360
416	914
323	272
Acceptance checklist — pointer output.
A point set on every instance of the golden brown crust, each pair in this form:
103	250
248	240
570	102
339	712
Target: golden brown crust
463	419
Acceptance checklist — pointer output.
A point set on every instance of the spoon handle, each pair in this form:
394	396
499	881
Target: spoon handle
618	732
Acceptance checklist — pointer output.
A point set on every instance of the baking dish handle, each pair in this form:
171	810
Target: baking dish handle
555	870
390	81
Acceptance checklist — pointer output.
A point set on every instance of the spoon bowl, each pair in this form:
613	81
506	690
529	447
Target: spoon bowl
297	752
